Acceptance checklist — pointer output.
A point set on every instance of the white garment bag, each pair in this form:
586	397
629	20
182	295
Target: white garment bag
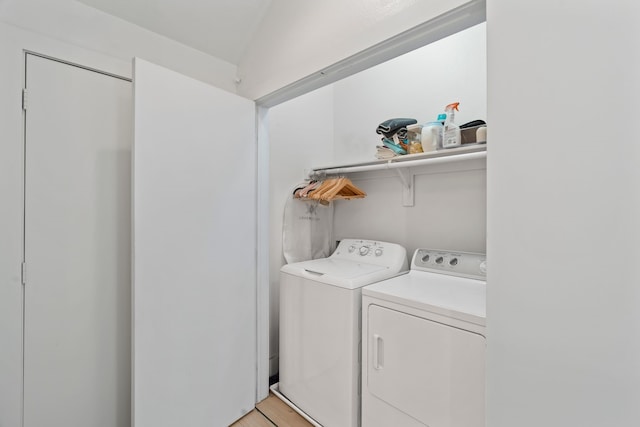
307	230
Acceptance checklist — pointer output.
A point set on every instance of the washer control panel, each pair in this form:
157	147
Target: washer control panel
364	248
464	264
371	252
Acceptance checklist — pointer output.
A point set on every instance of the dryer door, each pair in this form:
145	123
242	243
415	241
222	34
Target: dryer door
427	370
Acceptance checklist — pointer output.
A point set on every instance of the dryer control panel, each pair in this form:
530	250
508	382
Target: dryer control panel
463	264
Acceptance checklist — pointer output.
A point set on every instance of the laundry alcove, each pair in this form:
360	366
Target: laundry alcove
335	126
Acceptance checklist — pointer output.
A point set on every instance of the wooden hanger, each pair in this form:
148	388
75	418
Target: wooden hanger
324	187
303	191
337	188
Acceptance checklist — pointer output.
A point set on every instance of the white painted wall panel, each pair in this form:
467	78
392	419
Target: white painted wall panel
300	136
418	84
77	24
563	209
11	240
449	211
194	248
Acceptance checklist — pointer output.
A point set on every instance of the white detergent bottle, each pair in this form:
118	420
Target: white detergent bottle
451	131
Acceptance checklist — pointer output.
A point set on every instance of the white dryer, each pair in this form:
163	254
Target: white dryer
423	358
320	333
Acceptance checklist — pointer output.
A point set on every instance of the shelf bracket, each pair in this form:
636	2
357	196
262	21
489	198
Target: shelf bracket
407	177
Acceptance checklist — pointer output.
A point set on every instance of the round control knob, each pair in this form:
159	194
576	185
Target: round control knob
425	258
483	267
453	261
352	248
439	260
364	250
378	252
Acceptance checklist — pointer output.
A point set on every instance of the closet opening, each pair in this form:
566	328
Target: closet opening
330	119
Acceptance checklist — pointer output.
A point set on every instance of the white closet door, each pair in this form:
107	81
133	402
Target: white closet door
77	330
194	252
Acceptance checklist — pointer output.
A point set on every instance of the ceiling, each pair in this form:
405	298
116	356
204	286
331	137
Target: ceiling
221	28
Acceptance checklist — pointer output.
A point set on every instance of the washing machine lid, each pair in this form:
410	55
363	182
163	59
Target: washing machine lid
450	296
339	272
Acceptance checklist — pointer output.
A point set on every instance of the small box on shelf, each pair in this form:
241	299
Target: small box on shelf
470	135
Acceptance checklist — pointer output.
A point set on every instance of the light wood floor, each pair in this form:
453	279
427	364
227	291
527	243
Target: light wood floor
272	412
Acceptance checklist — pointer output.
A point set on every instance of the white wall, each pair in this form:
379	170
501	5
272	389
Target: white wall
418	84
299	38
300	137
449	211
337	124
80	25
450	208
563	213
11	220
76	33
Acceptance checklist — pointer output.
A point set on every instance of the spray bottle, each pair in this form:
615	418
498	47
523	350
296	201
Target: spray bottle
451	131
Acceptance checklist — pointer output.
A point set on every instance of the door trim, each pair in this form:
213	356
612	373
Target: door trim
24	267
451	22
73	64
263	305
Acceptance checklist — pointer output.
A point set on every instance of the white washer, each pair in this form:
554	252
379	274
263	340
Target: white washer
423	361
320	333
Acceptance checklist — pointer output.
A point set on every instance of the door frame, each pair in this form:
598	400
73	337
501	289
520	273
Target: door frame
76	57
101	63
